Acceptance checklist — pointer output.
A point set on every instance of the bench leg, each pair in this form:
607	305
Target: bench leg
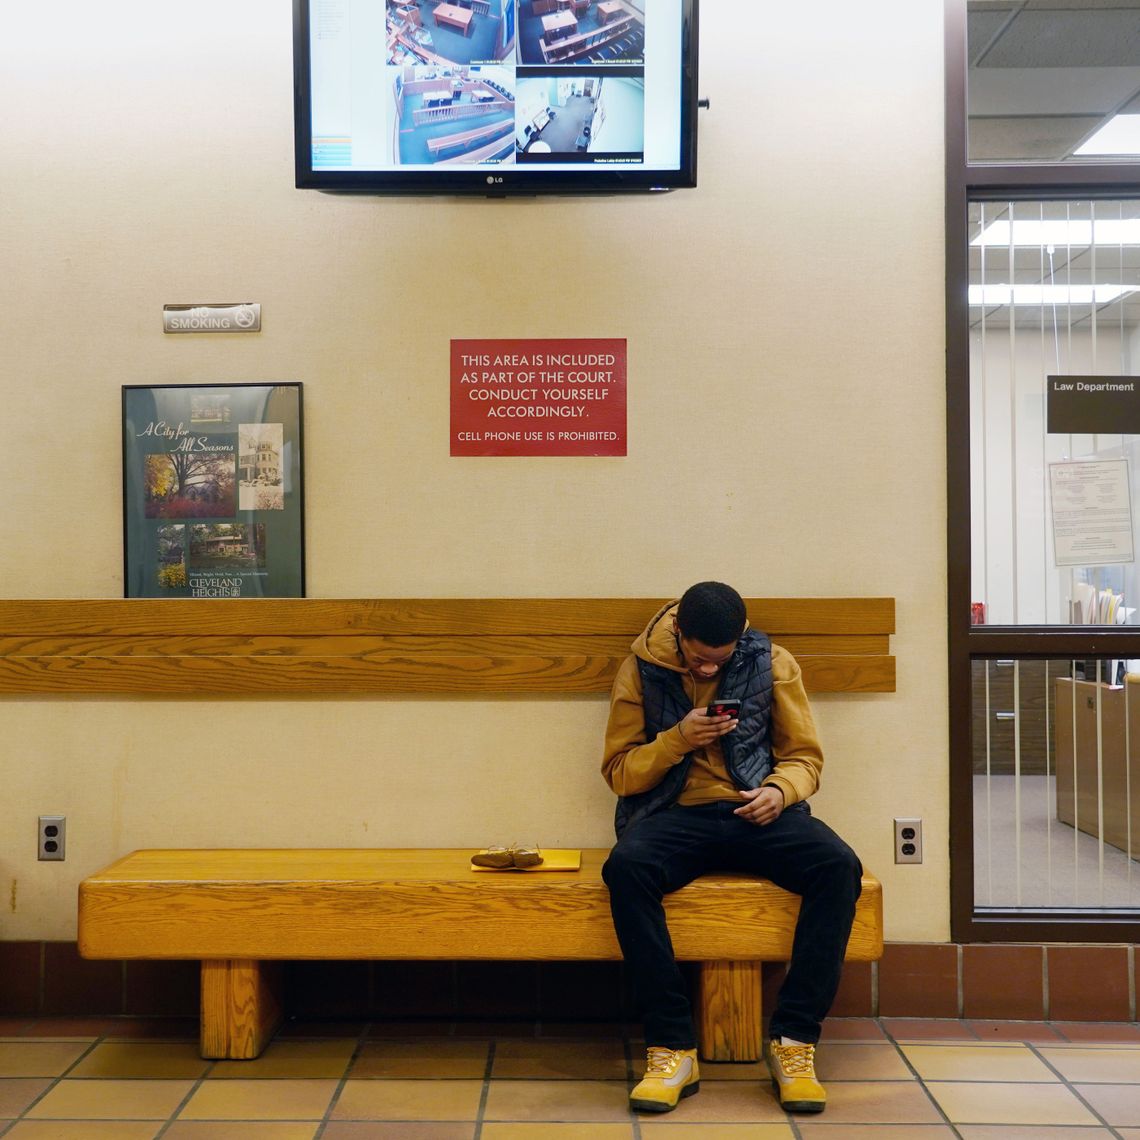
728	1025
241	1007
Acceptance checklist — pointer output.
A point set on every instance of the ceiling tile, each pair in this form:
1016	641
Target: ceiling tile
1096	37
1043	138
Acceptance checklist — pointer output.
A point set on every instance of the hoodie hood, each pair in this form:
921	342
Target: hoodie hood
657	643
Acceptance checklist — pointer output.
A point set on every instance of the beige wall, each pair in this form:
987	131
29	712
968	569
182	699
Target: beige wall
147	158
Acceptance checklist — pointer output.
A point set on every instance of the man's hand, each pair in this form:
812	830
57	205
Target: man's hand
699	730
763	805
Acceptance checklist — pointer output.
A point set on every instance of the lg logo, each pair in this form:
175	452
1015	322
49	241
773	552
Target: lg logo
494	180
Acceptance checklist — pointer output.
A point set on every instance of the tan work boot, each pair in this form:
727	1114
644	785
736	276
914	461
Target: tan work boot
669	1075
793	1077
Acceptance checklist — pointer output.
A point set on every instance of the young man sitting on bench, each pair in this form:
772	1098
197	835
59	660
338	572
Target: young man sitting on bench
701	791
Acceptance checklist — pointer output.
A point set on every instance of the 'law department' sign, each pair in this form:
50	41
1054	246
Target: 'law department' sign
1107	405
538	397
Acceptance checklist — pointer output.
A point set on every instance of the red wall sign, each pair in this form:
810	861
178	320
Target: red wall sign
538	397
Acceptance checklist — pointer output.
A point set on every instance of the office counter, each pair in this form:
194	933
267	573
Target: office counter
1110	795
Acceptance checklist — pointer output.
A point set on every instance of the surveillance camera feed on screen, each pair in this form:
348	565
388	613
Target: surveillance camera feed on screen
416	86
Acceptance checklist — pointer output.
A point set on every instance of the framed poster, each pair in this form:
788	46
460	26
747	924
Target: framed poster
212	491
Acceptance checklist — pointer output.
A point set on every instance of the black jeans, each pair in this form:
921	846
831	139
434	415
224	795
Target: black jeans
662	852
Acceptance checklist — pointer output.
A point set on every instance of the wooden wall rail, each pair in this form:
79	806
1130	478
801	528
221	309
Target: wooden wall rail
319	647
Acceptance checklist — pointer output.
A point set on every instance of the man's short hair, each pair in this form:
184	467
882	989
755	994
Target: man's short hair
712	613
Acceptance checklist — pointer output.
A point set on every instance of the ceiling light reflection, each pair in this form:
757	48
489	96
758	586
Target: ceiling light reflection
1001	294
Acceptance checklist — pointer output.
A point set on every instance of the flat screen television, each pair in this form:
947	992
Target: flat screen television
495	96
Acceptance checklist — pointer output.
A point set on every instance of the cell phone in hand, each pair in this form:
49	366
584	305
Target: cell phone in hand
724	707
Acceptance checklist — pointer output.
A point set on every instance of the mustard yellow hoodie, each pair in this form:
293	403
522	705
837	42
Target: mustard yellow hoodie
631	765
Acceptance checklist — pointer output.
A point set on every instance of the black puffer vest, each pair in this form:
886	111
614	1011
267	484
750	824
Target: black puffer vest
747	750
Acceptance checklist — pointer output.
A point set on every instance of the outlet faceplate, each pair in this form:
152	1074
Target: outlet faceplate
52	835
908	840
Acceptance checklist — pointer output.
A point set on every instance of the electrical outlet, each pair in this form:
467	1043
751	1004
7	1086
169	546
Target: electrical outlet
908	840
53	831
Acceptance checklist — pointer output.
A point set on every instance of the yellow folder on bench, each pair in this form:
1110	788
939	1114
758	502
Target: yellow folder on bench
553	859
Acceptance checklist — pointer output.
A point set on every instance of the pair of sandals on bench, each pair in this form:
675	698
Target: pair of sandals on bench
501	858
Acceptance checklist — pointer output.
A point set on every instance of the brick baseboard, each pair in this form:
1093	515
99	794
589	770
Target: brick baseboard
992	981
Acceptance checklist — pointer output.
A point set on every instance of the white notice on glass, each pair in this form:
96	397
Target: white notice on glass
1092	512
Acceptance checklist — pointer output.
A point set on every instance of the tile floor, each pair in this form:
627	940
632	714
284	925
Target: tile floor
890	1078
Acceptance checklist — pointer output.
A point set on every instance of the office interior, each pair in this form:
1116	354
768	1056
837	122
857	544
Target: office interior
581	31
447	115
787	423
459	31
1053	738
580	114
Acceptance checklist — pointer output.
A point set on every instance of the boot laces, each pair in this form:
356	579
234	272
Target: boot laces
797	1060
661	1061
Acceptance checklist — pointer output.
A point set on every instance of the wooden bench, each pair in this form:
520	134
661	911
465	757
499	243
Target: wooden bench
465	138
239	911
243	911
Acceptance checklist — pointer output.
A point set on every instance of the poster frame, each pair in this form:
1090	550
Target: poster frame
270	559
